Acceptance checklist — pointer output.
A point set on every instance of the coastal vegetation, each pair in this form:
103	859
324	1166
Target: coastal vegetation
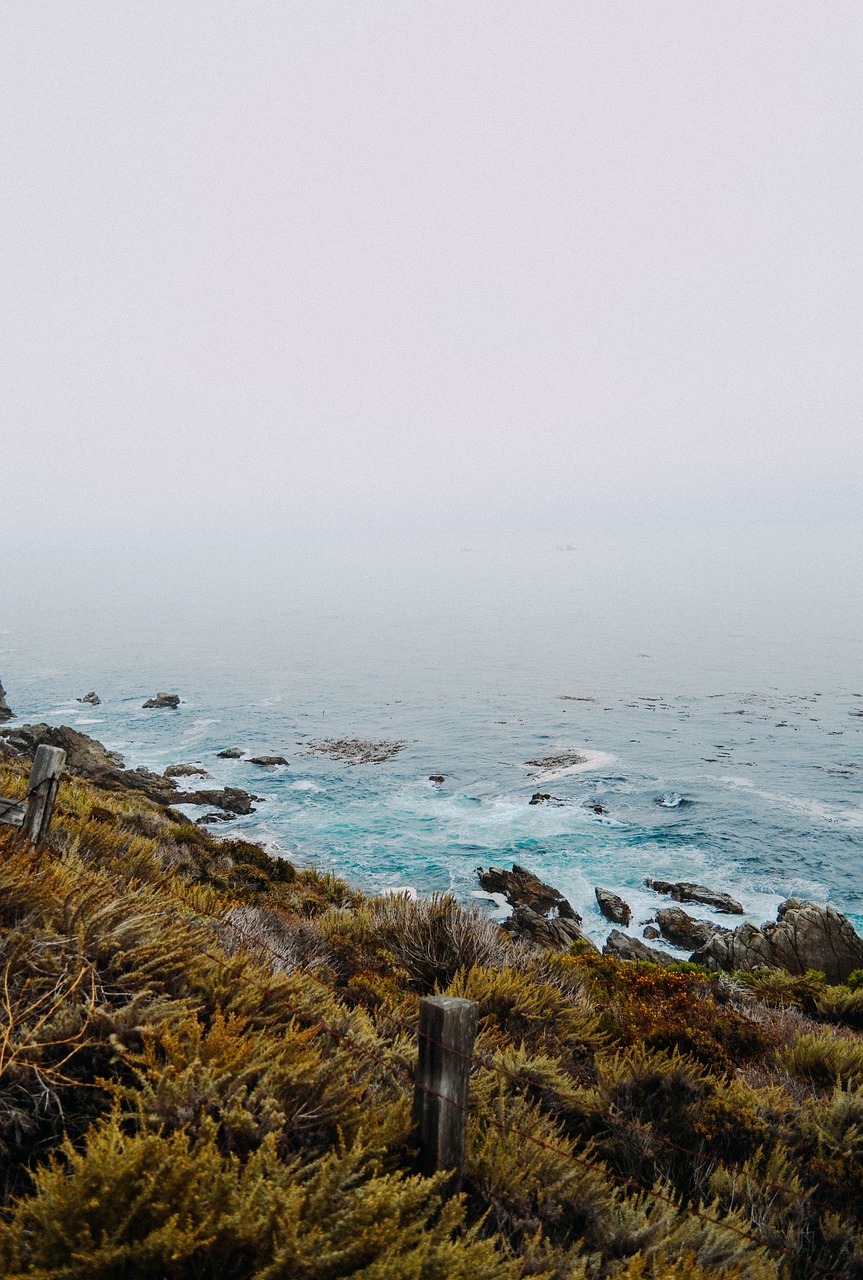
206	1069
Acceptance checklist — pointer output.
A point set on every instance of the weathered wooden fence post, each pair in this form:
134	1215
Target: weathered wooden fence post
446	1036
42	790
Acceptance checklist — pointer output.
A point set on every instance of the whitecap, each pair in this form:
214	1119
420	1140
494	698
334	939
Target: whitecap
671	800
834	815
590	760
305	785
502	907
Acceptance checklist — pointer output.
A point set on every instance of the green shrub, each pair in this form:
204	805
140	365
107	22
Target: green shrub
150	1206
824	1059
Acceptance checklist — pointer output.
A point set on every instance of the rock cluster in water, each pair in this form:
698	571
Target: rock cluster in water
685	891
170	700
806	935
186	771
356	750
92	698
540	913
6	712
622	947
613	907
683	930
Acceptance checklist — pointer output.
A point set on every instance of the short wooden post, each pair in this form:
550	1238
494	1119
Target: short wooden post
42	791
446	1036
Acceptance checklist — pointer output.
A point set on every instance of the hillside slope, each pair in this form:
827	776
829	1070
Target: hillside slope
206	1069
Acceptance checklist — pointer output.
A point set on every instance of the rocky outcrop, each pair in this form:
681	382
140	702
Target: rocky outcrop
683	930
229	799
685	891
651	932
806	935
543	797
6	712
92	698
88	758
84	755
540	913
621	947
269	761
522	888
613	907
170	700
437	777
186	771
231	753
558	934
357	750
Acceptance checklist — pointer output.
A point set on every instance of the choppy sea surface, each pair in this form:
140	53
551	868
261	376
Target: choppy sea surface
714	692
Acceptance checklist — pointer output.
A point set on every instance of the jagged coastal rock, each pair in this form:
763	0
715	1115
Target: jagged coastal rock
186	771
171	700
92	698
6	712
683	930
84	755
613	907
230	799
685	891
543	797
806	935
268	761
540	913
620	946
231	753
437	777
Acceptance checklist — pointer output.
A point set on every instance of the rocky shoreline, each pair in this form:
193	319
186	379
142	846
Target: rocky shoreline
805	935
88	758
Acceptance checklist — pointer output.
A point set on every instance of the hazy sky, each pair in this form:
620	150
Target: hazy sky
404	262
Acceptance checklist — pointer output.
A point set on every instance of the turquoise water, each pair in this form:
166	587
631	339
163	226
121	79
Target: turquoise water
721	720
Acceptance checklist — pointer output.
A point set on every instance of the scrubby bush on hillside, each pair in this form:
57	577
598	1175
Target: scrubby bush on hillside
206	1063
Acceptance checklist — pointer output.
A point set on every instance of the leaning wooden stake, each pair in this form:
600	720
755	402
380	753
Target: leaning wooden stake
42	790
446	1036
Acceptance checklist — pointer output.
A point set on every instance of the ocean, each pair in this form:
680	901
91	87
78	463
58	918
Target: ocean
708	683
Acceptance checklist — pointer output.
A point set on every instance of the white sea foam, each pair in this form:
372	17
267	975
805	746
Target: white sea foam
591	760
502	908
835	815
305	784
